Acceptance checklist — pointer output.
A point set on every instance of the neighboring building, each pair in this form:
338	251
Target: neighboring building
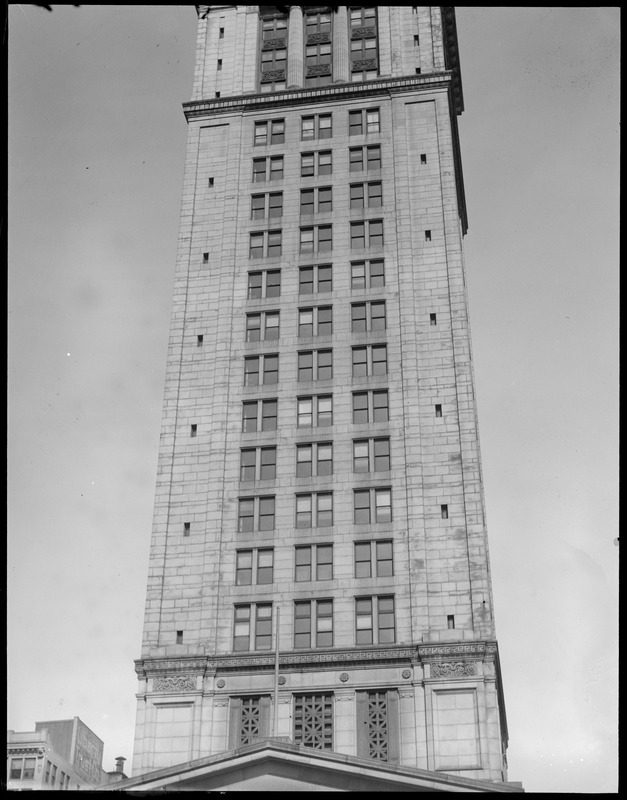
58	754
319	475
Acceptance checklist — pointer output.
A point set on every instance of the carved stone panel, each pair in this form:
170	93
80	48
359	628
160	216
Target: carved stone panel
458	669
174	683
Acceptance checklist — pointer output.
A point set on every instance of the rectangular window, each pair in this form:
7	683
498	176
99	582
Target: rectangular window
317	200
262	327
366	195
15	770
368	316
371	455
316	321
375	620
254	566
313	623
315	279
269	132
261	370
267	169
315	411
317	163
266	283
365	121
314	459
313	562
313	721
372	505
374	559
252	629
370	406
315	365
257	464
265	244
316	126
259	415
249	720
316	239
368	233
266	205
365	158
369	274
255	514
369	360
314	510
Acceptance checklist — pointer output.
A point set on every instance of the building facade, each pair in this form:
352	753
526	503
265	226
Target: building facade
319	567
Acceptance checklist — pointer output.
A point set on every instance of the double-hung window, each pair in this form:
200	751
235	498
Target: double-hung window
375	620
364	121
374	559
316	126
257	463
368	316
252	628
261	370
254	566
366	195
264	283
259	415
267	169
316	239
315	365
314	459
365	158
255	514
265	244
317	321
372	506
372	406
315	279
318	163
369	360
371	455
368	233
316	201
314	510
313	623
315	411
263	326
269	132
266	205
313	562
369	274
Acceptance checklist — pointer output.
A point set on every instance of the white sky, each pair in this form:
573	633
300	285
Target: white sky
96	151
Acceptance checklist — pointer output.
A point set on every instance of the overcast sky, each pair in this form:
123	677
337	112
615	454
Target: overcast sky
96	150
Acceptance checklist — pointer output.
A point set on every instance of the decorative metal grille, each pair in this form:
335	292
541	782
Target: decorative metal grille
250	720
313	721
378	725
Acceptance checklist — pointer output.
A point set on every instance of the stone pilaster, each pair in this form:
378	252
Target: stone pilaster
295	48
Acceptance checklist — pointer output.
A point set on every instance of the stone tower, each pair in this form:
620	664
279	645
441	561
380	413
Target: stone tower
319	486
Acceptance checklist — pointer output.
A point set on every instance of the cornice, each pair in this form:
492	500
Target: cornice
377	88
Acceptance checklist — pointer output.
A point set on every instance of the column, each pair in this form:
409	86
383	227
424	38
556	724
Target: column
295	48
341	61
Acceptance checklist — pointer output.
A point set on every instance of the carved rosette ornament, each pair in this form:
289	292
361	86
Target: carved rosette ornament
221	683
344	677
406	673
458	669
174	683
282	680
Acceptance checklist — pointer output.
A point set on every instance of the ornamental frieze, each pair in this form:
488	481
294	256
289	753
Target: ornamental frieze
458	669
365	63
273	76
318	38
364	33
274	44
319	69
174	683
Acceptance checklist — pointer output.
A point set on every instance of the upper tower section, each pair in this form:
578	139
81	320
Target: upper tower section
246	49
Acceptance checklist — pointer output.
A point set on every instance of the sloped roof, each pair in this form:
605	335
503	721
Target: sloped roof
276	765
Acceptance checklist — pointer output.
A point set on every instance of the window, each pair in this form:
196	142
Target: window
363	44
367	274
368	316
266	205
271	131
316	201
313	623
367	234
273	53
366	195
365	158
317	239
370	406
320	163
315	321
378	725
374	620
314	459
371	455
317	126
254	566
315	365
314	510
53	775
444	511
315	412
365	121
259	415
250	719
265	244
313	721
219	66
257	464
267	169
374	559
252	628
372	505
315	279
370	360
255	514
263	326
313	562
266	283
261	370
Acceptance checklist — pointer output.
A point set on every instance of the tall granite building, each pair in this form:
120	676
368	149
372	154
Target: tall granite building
319	574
